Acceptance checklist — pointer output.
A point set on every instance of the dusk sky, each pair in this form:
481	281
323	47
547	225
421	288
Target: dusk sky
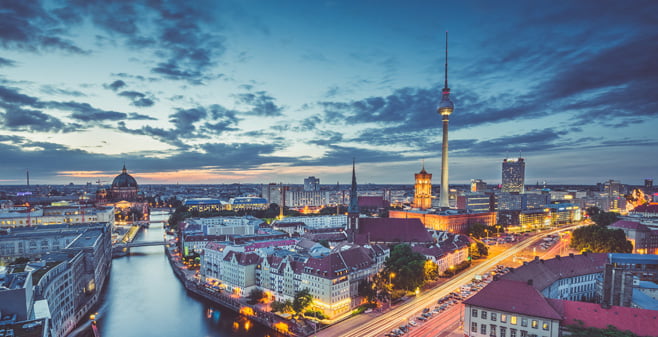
275	91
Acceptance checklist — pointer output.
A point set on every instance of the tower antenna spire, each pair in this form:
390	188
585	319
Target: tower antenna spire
446	70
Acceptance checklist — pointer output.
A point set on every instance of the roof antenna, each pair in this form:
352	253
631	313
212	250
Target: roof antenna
446	72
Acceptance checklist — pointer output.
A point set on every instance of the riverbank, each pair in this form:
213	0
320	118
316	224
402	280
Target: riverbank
192	284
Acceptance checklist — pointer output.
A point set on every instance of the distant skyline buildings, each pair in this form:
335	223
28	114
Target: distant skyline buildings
513	177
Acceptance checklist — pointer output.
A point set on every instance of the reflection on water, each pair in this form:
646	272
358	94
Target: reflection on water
144	298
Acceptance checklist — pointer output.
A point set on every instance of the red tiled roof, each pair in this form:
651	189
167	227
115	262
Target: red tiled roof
629	225
641	322
513	297
392	230
543	273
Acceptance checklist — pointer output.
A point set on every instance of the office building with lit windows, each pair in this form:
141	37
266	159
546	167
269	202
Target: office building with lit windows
513	175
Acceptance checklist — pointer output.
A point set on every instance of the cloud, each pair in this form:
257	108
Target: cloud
261	104
15	118
10	95
26	25
116	85
138	99
193	123
6	62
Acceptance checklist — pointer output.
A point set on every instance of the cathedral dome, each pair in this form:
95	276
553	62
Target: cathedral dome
124	180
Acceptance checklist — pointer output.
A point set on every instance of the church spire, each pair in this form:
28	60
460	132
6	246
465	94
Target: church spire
354	199
353	210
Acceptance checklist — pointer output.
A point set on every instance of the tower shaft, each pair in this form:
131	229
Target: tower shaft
445	191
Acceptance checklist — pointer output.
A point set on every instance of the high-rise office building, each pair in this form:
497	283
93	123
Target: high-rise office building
445	109
613	188
648	183
513	175
312	184
423	189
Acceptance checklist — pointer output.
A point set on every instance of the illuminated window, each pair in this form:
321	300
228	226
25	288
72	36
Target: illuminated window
535	323
512	320
544	325
503	318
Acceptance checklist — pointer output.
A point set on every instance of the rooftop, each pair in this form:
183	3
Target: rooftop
513	297
641	322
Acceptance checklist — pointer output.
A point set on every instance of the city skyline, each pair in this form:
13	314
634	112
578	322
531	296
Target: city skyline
258	92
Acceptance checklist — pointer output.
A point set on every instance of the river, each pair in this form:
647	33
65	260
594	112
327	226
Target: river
143	297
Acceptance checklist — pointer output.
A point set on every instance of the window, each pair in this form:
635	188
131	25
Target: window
484	314
493	316
535	324
513	320
492	330
474	312
524	333
483	329
512	332
524	322
474	327
503	331
503	318
544	325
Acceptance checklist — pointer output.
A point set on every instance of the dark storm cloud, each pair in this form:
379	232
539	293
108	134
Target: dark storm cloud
26	25
116	85
6	62
262	104
138	99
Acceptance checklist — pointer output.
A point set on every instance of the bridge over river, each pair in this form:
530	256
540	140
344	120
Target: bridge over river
122	248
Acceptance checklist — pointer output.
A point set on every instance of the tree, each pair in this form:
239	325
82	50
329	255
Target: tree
408	267
255	295
303	299
478	250
601	218
368	290
479	230
282	306
599	239
431	271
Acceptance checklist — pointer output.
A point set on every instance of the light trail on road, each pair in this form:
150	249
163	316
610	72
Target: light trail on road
379	325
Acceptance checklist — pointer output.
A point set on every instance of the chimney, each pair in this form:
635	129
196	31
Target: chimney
557	257
530	282
536	258
570	254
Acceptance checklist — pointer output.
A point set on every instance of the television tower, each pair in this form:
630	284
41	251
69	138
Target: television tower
445	109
